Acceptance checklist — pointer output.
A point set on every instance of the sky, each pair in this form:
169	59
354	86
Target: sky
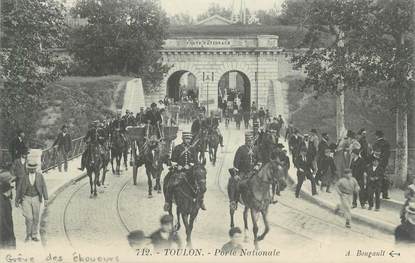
195	7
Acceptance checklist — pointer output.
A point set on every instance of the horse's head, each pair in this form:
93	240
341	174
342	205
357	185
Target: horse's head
199	173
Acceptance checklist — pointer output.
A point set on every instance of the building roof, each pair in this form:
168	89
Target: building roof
215	20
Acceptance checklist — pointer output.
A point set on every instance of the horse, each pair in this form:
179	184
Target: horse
93	165
255	196
213	142
154	158
201	145
119	148
187	196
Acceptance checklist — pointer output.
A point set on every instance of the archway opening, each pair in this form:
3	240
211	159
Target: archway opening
234	89
181	85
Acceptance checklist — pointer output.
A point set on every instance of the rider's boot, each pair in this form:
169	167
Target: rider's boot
202	204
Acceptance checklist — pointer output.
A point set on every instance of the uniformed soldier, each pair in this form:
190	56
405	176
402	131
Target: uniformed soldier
198	124
184	158
153	117
140	117
118	123
245	162
213	124
92	137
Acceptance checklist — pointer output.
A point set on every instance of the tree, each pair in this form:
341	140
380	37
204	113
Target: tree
31	29
122	37
215	9
373	51
295	12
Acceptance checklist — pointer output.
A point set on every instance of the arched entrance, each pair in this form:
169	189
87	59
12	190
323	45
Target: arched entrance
234	84
182	83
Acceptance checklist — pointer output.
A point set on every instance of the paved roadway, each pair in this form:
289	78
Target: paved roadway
76	221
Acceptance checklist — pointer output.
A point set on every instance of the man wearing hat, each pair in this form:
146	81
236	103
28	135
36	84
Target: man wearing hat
213	124
31	191
358	167
165	237
364	145
18	147
294	144
374	176
321	153
153	117
118	123
140	116
198	124
245	162
382	148
183	157
92	137
64	143
304	166
7	237
18	168
405	232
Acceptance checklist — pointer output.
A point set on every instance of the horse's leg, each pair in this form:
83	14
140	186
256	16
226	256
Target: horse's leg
158	185
177	226
254	217
125	155
112	162
185	219
118	159
232	213
264	217
96	178
91	183
189	235
150	183
246	224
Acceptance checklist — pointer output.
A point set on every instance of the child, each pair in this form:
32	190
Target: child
345	187
410	197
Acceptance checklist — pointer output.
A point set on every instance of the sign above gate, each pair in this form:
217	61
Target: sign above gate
249	42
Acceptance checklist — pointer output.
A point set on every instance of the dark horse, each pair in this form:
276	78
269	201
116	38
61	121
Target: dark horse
255	196
213	142
97	160
200	142
119	148
187	194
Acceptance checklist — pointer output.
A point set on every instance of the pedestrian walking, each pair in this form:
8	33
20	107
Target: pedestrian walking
64	143
165	237
234	245
18	169
304	171
374	174
358	167
364	145
327	170
18	147
405	232
261	116
381	147
31	192
7	237
346	187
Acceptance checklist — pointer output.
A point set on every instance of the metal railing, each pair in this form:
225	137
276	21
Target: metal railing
50	157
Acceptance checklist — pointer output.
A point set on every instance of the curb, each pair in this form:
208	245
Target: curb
382	226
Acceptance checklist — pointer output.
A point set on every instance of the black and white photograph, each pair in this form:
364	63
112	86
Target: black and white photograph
207	131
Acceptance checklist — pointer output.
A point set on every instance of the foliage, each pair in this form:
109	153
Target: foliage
121	37
295	12
31	28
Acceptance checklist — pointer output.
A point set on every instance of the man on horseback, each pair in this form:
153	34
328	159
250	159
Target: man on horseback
153	117
184	158
118	123
199	124
94	137
246	161
213	124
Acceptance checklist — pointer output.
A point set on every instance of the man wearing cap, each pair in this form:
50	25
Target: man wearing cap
183	157
64	143
165	237
405	232
374	176
7	237
31	191
213	124
18	147
382	148
245	162
358	167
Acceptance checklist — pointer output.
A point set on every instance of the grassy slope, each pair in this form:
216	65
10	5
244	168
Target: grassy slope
76	101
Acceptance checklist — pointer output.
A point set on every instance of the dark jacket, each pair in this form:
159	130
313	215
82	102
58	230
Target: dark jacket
118	124
294	144
64	142
306	165
7	238
374	177
405	234
311	150
18	169
244	161
183	155
322	146
382	146
39	184
160	243
358	167
153	117
17	148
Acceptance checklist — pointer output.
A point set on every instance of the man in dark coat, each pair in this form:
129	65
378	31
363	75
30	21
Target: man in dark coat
213	125
118	123
358	167
246	117
18	169
309	147
7	237
374	175
364	145
261	116
381	147
198	124
140	116
153	116
18	147
304	171
294	144
64	143
165	237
